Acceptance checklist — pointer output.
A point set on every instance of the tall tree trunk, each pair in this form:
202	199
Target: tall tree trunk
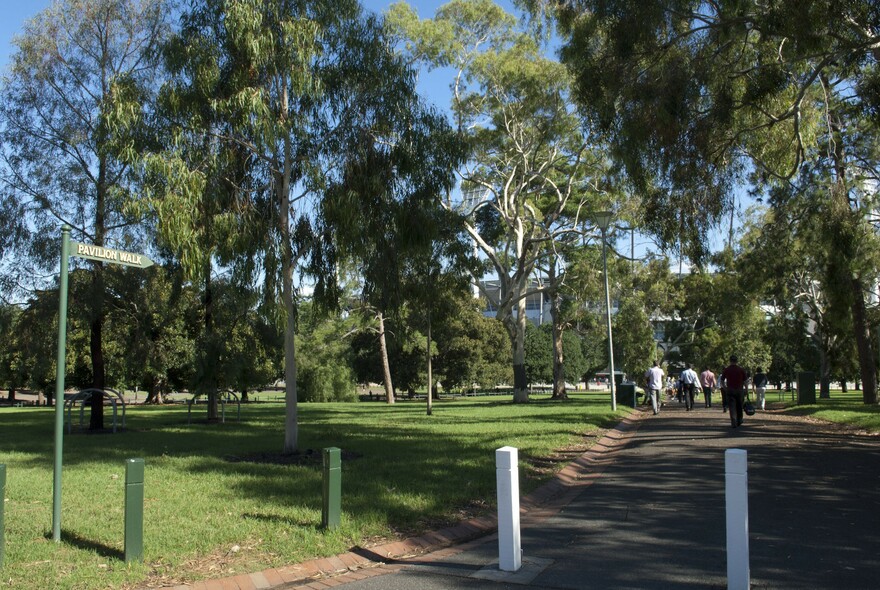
291	424
430	395
383	353
840	196
824	373
863	344
518	340
96	324
208	382
156	392
11	394
559	391
96	349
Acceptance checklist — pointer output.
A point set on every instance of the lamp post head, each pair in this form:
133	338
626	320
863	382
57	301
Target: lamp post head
603	219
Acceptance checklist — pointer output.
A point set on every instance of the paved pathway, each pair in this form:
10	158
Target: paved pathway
645	509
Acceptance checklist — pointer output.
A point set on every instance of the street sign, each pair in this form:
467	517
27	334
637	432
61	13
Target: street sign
111	255
70	248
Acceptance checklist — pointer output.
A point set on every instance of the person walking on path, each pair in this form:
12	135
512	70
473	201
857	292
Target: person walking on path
654	382
735	379
707	382
759	384
689	380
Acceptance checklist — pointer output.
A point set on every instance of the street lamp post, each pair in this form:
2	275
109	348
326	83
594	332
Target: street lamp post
603	220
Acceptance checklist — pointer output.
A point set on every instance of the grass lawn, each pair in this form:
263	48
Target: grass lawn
844	408
212	510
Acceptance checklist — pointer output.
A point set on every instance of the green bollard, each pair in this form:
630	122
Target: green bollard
332	488
134	510
2	504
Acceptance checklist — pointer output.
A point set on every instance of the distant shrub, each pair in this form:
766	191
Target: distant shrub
326	383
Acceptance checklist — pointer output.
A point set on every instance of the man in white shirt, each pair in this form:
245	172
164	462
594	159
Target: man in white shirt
689	380
654	383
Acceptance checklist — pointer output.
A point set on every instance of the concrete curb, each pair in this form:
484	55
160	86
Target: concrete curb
360	563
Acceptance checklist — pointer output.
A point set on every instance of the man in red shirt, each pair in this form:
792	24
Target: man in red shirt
735	379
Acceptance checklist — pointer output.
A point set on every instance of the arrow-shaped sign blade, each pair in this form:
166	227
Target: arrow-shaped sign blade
110	255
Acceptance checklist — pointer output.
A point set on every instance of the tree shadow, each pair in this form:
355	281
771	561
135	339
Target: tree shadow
79	542
285	520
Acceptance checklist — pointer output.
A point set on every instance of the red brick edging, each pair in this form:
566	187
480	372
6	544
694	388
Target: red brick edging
360	563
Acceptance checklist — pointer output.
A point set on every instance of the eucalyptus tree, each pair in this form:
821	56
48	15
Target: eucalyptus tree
701	95
635	347
197	191
326	367
435	277
389	226
531	174
472	349
28	357
539	353
248	355
13	365
152	317
58	150
571	283
782	263
306	95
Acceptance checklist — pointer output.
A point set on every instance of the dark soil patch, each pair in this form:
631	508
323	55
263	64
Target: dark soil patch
547	466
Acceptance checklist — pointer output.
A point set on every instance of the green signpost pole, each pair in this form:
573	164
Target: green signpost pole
2	503
134	510
90	252
59	382
332	488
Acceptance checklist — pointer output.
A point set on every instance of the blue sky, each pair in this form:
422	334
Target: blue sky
17	12
434	86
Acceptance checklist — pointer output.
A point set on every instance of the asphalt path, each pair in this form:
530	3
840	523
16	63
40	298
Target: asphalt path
655	518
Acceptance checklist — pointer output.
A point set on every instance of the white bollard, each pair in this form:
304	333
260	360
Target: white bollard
507	478
736	482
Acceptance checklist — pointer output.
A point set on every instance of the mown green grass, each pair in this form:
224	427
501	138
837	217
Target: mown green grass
403	472
843	408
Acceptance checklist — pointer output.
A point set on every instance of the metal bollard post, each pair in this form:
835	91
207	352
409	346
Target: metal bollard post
2	505
134	510
737	503
507	482
332	488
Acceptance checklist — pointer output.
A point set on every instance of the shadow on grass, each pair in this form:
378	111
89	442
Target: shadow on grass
283	520
409	466
88	545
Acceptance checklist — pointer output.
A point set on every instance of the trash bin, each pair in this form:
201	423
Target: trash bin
626	394
806	388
